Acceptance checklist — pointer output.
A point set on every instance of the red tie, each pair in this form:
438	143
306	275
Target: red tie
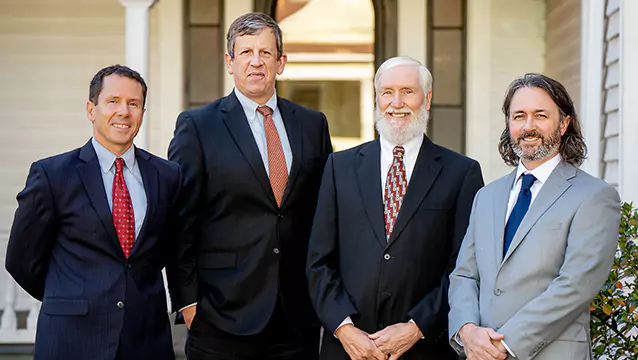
123	217
276	161
395	188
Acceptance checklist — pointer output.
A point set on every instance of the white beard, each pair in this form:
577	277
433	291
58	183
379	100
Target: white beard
415	125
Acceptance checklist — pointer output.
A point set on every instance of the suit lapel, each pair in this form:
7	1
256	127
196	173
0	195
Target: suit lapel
91	176
150	179
293	130
369	178
501	199
555	186
237	124
426	170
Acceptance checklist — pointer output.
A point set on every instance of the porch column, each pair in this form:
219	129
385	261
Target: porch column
137	50
232	10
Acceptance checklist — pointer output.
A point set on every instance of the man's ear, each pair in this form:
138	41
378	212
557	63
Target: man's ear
564	124
90	111
428	100
229	63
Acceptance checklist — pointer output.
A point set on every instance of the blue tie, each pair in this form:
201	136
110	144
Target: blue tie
519	211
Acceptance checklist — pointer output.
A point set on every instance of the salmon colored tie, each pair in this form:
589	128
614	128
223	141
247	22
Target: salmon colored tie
123	217
276	161
395	188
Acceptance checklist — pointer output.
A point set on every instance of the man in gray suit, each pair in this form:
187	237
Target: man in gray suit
541	240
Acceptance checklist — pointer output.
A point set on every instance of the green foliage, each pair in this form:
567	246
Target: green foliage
614	315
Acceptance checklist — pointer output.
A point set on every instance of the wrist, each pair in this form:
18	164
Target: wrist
466	328
341	330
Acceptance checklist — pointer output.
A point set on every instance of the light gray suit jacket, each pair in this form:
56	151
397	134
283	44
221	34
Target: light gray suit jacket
538	296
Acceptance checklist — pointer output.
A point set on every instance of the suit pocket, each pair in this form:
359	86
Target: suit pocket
54	306
217	260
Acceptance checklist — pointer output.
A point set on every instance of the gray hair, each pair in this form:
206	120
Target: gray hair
252	24
425	78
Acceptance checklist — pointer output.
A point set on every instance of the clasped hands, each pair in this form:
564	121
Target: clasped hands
480	343
394	341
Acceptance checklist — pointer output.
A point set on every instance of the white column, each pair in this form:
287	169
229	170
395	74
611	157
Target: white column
412	30
170	93
591	84
366	90
232	10
628	103
480	119
137	49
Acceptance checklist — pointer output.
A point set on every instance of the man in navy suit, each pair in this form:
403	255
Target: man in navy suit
252	165
92	233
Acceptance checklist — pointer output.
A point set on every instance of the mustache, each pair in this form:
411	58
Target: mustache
391	110
532	133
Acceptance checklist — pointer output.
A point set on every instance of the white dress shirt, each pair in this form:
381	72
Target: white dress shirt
541	173
412	149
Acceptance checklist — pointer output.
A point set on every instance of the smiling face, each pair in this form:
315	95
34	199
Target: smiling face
535	126
117	116
255	65
402	106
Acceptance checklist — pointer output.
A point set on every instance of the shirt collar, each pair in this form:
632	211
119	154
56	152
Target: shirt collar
250	106
542	172
106	158
413	145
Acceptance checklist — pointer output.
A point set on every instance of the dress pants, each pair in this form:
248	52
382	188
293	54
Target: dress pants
278	341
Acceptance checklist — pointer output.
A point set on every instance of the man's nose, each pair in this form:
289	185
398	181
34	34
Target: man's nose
397	101
255	60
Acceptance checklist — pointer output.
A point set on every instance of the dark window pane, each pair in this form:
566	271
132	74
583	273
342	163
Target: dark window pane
204	12
204	64
338	100
446	127
447	67
447	13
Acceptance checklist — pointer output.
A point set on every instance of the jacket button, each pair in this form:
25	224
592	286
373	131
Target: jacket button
275	250
387	256
119	304
498	292
280	215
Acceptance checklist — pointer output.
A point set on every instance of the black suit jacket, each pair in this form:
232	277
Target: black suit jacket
64	251
239	251
352	269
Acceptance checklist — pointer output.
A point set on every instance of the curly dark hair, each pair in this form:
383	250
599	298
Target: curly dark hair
98	80
572	144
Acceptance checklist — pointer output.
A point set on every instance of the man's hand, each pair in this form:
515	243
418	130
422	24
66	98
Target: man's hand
396	339
482	343
189	315
357	344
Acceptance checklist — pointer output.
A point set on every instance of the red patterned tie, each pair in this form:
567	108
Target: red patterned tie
395	188
276	161
123	217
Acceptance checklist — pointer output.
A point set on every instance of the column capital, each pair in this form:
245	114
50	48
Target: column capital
138	3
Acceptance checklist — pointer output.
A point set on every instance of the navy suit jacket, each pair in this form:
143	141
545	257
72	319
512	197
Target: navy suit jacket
64	251
239	252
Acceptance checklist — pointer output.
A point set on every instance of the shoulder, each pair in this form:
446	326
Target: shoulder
59	162
589	185
163	166
451	157
198	114
347	155
304	112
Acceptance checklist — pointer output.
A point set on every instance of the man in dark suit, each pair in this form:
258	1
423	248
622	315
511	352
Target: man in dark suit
92	233
252	167
379	260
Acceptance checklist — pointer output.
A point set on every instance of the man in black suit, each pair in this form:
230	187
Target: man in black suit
379	260
252	167
93	231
